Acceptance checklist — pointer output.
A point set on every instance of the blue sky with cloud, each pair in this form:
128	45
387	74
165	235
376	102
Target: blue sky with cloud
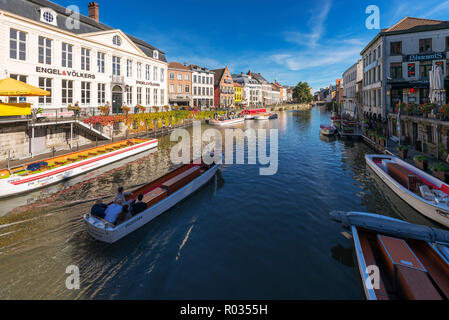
290	41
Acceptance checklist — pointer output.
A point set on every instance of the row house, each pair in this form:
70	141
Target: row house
351	78
223	88
202	87
275	94
266	88
80	62
252	90
179	85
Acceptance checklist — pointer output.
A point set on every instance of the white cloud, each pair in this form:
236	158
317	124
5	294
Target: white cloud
317	25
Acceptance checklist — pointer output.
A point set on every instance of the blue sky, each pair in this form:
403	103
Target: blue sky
290	41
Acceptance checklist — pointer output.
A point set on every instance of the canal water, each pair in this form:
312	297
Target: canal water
242	236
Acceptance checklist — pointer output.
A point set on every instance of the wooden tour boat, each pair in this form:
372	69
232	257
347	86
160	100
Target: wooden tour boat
266	116
43	173
160	195
398	260
225	122
328	130
425	193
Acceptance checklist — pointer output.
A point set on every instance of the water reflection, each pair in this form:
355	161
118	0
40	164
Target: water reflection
227	241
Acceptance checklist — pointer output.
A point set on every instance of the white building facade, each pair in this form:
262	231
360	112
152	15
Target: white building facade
350	78
88	64
252	90
202	87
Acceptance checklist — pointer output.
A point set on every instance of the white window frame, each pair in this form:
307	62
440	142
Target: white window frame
86	90
67	91
47	86
16	43
116	62
85	59
101	62
46	50
101	93
67	55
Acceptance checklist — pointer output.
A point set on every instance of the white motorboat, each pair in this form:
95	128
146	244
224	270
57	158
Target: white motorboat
328	130
266	116
425	193
43	173
225	122
160	195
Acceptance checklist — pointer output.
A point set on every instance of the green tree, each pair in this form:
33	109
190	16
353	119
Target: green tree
302	93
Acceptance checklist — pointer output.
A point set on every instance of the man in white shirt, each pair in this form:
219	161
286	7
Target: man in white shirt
113	211
121	195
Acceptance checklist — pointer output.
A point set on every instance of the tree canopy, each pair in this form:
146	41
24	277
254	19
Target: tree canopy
302	94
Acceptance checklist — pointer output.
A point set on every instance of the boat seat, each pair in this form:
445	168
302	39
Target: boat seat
426	193
416	285
180	180
408	274
154	196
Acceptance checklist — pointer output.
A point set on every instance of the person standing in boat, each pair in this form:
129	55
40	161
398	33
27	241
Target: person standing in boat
121	195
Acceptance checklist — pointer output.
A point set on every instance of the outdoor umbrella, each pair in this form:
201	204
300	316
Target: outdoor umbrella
431	86
438	84
14	88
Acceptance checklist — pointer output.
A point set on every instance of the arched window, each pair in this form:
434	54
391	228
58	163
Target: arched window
117	41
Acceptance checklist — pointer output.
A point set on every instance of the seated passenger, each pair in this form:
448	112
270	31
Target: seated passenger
113	211
139	206
124	215
98	209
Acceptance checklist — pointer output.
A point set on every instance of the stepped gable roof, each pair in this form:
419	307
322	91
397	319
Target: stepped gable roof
218	75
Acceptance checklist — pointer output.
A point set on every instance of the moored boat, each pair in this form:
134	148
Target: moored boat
160	195
266	116
250	114
327	130
225	122
397	259
423	192
35	175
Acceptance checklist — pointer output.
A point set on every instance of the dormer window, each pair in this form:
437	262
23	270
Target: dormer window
48	16
156	54
117	41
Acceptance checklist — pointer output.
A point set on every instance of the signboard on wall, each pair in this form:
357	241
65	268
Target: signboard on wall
411	70
426	56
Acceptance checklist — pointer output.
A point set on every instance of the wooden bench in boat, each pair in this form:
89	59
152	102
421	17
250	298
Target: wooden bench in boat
181	180
408	274
405	177
154	196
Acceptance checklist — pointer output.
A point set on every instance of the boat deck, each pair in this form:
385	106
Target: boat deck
409	269
422	180
67	158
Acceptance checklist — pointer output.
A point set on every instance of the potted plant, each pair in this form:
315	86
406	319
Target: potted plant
76	110
440	171
104	110
421	162
444	112
141	109
403	152
125	110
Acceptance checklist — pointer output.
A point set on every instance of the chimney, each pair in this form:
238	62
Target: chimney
94	11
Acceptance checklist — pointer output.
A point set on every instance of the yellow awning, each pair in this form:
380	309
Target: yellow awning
14	88
15	109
